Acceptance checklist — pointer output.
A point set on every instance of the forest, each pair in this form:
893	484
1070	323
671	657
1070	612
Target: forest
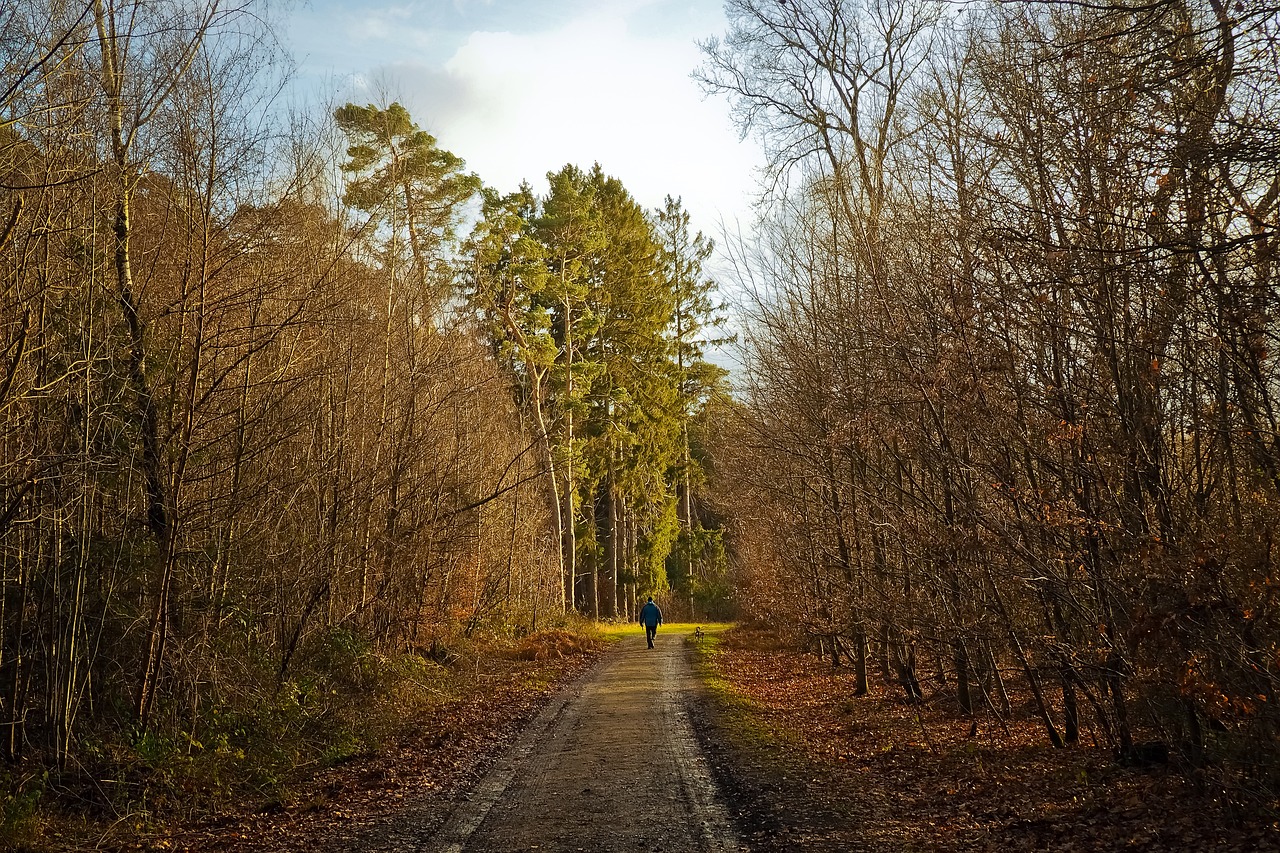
290	403
1009	408
293	403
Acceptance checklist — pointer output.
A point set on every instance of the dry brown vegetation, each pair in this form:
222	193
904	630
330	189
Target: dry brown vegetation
554	644
835	771
1008	417
429	741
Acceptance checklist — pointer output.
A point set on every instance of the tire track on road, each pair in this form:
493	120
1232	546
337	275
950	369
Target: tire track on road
610	764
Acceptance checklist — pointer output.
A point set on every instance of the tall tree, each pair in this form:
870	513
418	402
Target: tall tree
408	184
695	328
144	51
569	227
510	280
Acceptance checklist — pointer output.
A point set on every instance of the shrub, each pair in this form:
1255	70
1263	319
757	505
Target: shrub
556	643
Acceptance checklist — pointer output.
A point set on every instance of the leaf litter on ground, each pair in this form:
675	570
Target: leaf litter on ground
396	796
875	772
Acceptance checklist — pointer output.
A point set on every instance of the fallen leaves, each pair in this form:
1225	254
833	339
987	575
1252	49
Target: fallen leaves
394	798
875	773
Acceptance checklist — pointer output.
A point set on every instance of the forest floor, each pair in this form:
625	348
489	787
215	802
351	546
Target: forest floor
800	764
806	765
432	761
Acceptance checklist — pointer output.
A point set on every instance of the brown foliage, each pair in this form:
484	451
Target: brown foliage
874	773
554	645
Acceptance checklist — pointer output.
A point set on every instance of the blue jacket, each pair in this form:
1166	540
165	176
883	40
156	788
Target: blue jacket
650	615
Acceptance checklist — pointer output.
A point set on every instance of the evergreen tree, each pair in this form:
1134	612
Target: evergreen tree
697	322
408	186
510	289
600	311
570	230
634	424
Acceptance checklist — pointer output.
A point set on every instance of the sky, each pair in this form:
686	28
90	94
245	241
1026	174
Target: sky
518	88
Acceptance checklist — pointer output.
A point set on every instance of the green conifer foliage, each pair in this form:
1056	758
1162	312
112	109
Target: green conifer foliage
600	310
413	190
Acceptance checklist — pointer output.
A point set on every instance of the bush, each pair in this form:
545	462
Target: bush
18	800
556	643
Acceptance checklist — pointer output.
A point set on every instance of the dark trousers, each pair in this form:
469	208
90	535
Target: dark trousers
649	631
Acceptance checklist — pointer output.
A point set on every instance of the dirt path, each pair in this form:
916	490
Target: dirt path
611	764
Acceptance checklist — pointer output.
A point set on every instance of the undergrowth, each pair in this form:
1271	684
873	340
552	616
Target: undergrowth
556	643
253	744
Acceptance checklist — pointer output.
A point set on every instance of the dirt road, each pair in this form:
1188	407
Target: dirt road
611	764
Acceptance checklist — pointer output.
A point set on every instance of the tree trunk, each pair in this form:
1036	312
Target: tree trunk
611	588
861	686
1033	681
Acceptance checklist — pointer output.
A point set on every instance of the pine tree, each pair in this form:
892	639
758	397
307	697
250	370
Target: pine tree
569	227
634	413
600	312
697	325
510	290
408	185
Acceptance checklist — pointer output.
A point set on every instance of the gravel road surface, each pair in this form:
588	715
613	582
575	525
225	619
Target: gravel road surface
610	764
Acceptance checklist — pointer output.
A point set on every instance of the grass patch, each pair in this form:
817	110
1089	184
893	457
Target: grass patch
614	631
740	718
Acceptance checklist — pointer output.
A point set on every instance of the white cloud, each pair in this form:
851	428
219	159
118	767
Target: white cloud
521	87
516	106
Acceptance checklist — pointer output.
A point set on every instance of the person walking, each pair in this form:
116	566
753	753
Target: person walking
650	618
